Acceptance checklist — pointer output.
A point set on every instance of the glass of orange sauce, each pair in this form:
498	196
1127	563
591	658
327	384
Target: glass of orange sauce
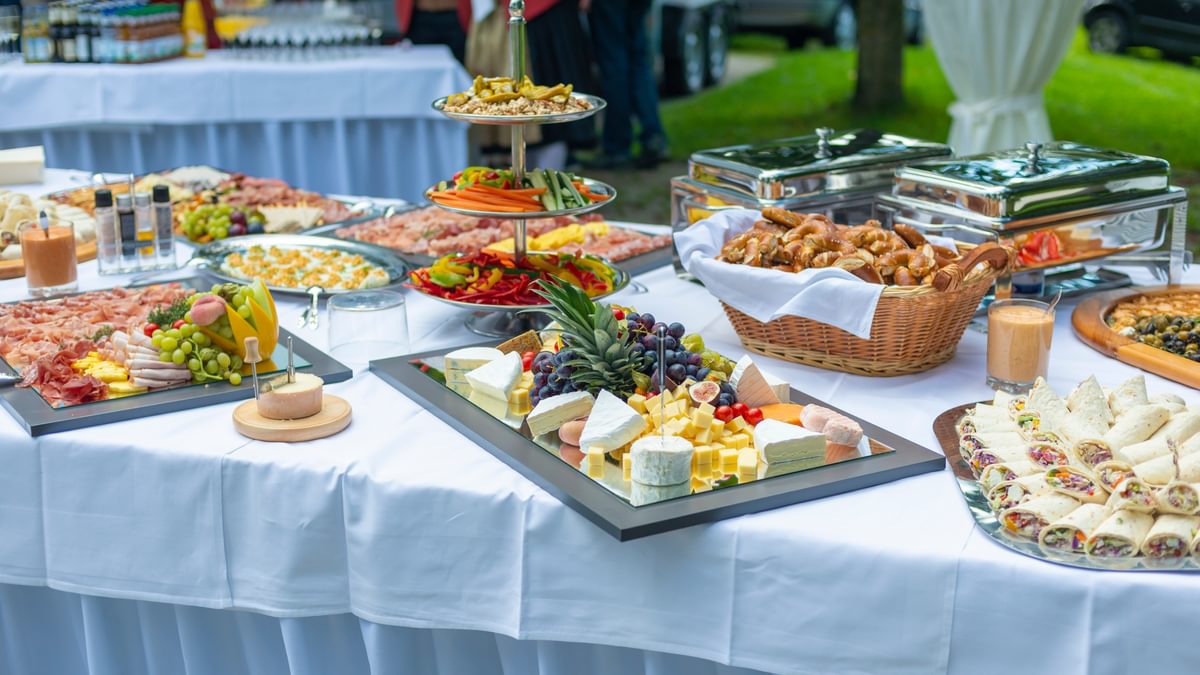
48	251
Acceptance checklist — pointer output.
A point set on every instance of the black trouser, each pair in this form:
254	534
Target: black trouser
627	73
438	28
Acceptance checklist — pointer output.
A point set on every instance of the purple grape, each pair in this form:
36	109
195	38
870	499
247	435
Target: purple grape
565	371
545	392
695	359
637	348
539	380
670	343
647	320
702	374
693	371
237	229
724	399
633	318
655	328
650	342
676	330
669	356
547	367
676	372
237	218
652	355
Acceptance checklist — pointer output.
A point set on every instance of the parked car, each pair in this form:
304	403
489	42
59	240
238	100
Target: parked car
1170	25
834	22
690	39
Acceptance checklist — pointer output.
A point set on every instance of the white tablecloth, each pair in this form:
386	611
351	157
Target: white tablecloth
400	521
360	124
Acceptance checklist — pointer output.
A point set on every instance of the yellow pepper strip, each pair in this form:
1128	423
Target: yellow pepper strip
486	283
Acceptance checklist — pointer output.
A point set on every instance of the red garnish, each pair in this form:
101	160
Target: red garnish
724	413
753	416
149	329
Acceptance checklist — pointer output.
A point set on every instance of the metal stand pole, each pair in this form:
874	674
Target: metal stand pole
516	41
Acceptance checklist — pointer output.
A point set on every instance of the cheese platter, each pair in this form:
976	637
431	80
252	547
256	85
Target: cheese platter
642	429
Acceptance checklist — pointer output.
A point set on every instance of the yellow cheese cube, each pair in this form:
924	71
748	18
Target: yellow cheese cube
718	428
702	419
740	440
653	405
518	402
676	426
681	393
666	396
703	436
595	462
700	485
706	407
627	467
676	409
718	470
703	455
737	424
748	459
689	429
637	402
729	460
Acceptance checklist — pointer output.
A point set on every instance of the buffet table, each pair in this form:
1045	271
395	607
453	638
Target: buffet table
366	117
399	546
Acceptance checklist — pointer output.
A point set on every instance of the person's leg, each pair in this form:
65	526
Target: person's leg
610	43
644	88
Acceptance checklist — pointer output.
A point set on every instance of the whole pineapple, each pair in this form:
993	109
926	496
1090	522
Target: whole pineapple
596	356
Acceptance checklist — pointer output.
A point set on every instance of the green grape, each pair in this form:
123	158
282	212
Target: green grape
216	288
169	344
693	343
226	332
194	365
178	357
239	298
157	332
186	330
174	333
186	347
165	357
201	339
244	311
220	233
223	359
236	362
187	316
211	367
156	341
235	379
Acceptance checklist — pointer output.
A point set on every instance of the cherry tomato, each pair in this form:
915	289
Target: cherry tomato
724	413
739	409
753	416
178	323
149	329
618	313
527	360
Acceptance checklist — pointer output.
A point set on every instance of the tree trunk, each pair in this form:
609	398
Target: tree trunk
880	54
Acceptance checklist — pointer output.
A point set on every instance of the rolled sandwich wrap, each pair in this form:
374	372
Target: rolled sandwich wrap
1012	403
973	424
1089	399
988	456
1012	492
1081	425
1028	421
1178	497
1028	518
1111	473
1120	535
1132	494
1171	536
1070	533
1049	405
1049	437
994	474
1189	468
1189	447
1179	428
1129	395
1047	455
1091	452
1074	482
1174	404
1144	451
1136	425
969	444
1156	472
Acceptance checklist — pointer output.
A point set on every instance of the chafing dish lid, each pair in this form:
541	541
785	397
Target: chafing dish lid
1037	179
804	166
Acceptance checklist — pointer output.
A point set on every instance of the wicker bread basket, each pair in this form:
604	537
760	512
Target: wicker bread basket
915	328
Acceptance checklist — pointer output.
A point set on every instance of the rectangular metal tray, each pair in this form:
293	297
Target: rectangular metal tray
38	417
615	515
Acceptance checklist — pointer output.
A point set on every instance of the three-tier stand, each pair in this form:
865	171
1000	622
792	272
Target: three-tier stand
508	320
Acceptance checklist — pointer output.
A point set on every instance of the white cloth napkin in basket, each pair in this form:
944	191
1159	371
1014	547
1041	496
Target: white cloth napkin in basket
829	295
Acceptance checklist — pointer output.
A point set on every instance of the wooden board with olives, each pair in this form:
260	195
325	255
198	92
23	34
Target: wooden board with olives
1155	329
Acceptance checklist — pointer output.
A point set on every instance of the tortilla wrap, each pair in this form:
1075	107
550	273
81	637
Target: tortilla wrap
1144	451
1170	536
1080	425
987	456
1012	492
1120	535
1052	408
1129	395
1189	447
1075	482
1071	532
1136	425
1029	517
1171	402
1178	497
1092	452
968	444
1111	473
1089	399
994	474
1132	494
1179	428
1158	471
974	424
1189	468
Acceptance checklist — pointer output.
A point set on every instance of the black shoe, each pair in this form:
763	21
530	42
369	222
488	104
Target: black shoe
653	153
604	162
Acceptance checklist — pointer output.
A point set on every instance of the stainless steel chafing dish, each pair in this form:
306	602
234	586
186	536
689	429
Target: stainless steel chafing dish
835	173
1061	204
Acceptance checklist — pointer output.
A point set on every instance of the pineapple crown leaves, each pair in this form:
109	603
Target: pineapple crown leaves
603	360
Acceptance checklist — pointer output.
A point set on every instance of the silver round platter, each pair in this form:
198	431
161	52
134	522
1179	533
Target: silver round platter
509	320
591	184
210	258
595	103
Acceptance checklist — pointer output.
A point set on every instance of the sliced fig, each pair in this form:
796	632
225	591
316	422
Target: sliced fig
704	392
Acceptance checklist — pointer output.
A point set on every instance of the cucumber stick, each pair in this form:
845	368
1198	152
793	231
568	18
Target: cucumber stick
538	180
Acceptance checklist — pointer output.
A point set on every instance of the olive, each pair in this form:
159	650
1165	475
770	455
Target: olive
1183	335
1186	325
1160	322
1192	348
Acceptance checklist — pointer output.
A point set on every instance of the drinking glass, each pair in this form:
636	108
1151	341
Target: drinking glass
51	267
1018	347
367	325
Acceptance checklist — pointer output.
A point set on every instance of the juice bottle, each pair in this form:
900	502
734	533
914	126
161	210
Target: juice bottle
195	33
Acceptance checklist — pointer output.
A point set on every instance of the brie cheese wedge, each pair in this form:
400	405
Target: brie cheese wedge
551	413
611	424
661	460
470	358
497	379
778	441
752	386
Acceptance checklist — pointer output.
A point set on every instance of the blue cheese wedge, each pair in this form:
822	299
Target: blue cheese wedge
661	460
611	424
551	413
778	441
498	378
470	358
752	386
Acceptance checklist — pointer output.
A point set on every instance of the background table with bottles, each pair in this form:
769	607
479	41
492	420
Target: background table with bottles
357	120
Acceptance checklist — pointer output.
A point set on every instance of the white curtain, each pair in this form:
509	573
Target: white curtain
998	56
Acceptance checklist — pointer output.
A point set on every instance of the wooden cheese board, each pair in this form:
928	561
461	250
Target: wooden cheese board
1089	323
14	269
334	416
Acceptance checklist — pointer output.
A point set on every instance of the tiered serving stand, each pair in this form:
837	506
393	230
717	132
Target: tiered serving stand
508	320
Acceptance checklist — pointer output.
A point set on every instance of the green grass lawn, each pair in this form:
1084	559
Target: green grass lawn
1131	103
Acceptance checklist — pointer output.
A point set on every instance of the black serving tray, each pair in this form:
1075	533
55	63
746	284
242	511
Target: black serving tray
617	516
38	417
